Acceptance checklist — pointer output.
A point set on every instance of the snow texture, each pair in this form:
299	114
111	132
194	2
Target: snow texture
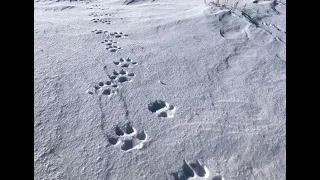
159	90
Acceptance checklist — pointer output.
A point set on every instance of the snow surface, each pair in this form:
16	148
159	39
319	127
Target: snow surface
200	91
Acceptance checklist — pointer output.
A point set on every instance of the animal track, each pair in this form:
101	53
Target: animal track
95	14
98	6
117	78
121	77
194	171
99	15
162	109
127	137
105	88
99	31
118	34
96	20
112	45
128	63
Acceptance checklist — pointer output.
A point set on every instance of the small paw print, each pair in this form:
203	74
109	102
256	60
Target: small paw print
107	88
99	31
128	63
112	45
118	34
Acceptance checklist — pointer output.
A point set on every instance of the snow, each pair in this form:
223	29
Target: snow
220	73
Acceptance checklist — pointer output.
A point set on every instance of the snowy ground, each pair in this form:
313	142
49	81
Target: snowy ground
156	90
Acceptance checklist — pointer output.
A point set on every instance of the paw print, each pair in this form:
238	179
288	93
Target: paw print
128	138
107	14
194	171
99	31
162	109
107	88
112	45
110	87
128	63
121	76
95	14
118	34
95	20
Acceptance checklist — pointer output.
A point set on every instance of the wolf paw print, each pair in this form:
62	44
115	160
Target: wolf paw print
194	171
121	76
107	88
100	15
118	34
99	31
96	20
162	109
128	63
128	138
112	45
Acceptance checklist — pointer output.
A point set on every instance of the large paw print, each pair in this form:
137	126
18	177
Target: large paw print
162	109
128	138
128	63
194	171
121	76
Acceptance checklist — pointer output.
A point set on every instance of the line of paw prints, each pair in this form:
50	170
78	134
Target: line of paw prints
116	79
162	109
194	171
96	20
111	45
127	137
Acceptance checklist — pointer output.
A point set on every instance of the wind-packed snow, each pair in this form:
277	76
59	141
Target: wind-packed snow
159	89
